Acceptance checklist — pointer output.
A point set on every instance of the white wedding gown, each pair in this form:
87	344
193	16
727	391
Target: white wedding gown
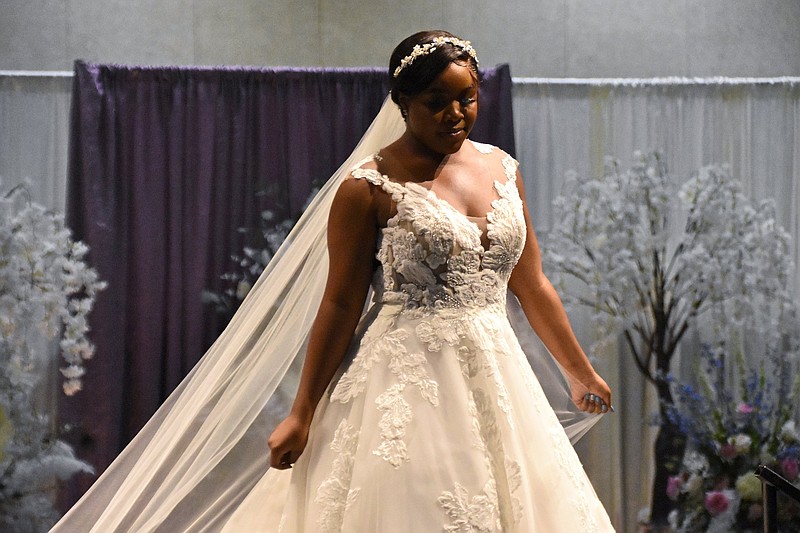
436	421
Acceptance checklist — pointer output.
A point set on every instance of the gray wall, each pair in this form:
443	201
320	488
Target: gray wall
542	38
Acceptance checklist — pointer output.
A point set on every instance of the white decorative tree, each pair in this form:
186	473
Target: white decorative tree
46	293
652	257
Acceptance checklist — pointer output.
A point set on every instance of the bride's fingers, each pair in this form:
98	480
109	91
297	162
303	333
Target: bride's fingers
592	403
286	460
280	458
585	403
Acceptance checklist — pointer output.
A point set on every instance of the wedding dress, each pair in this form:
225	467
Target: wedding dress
435	421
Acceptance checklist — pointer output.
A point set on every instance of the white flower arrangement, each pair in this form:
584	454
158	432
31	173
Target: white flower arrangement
46	293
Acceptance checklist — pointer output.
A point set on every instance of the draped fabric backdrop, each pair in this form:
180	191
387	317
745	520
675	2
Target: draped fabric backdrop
561	125
166	164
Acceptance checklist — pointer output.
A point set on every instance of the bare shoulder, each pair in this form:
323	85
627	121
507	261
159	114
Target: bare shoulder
354	193
484	148
494	161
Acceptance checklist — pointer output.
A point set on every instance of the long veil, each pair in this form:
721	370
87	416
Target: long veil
204	450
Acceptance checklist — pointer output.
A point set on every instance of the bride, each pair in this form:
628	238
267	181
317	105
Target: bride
420	413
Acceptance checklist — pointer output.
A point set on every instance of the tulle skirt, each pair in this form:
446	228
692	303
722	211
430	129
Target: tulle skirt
436	423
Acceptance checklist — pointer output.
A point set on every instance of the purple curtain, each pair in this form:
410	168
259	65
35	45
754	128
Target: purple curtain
166	164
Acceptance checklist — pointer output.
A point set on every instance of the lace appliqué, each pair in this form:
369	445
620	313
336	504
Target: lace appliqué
396	416
479	359
506	224
476	514
505	473
335	495
571	466
437	331
409	369
352	382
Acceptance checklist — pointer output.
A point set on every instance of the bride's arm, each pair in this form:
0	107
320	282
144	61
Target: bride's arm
352	233
545	312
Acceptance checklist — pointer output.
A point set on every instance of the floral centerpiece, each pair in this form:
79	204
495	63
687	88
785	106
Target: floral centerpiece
730	434
46	293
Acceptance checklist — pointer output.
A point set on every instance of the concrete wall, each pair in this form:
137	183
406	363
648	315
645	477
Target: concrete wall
542	38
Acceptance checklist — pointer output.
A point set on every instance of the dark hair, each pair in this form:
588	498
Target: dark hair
417	76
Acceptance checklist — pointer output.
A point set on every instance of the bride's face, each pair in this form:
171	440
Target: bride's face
441	117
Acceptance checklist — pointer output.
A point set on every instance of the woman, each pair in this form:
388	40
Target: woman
438	411
420	414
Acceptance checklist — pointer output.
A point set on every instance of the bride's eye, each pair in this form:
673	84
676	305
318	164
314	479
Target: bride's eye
467	100
436	104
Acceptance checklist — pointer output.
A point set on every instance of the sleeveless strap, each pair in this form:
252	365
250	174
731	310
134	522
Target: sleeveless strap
510	166
395	190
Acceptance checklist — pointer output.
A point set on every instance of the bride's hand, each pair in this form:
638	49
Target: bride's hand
591	394
287	442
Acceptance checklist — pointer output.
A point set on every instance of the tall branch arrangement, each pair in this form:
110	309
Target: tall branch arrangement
46	293
653	259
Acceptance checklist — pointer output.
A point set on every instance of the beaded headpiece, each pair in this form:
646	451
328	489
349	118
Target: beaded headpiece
420	50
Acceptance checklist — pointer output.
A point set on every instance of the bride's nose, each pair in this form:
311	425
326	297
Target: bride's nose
453	112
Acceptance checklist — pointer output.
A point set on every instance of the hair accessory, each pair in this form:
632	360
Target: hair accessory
429	48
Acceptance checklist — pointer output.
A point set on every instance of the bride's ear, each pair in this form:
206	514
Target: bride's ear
402	103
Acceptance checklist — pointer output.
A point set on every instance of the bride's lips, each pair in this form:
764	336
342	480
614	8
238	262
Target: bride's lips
455	132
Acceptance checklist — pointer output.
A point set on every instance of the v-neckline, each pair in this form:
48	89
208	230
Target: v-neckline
431	196
442	201
431	193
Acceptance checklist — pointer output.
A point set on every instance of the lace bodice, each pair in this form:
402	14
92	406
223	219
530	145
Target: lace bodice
432	255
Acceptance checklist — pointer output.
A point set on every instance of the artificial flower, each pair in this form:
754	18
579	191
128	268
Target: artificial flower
749	487
716	502
674	485
789	432
755	511
741	443
728	451
789	468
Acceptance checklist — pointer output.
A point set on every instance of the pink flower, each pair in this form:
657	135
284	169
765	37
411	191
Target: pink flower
716	502
728	451
674	484
755	512
744	409
790	468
